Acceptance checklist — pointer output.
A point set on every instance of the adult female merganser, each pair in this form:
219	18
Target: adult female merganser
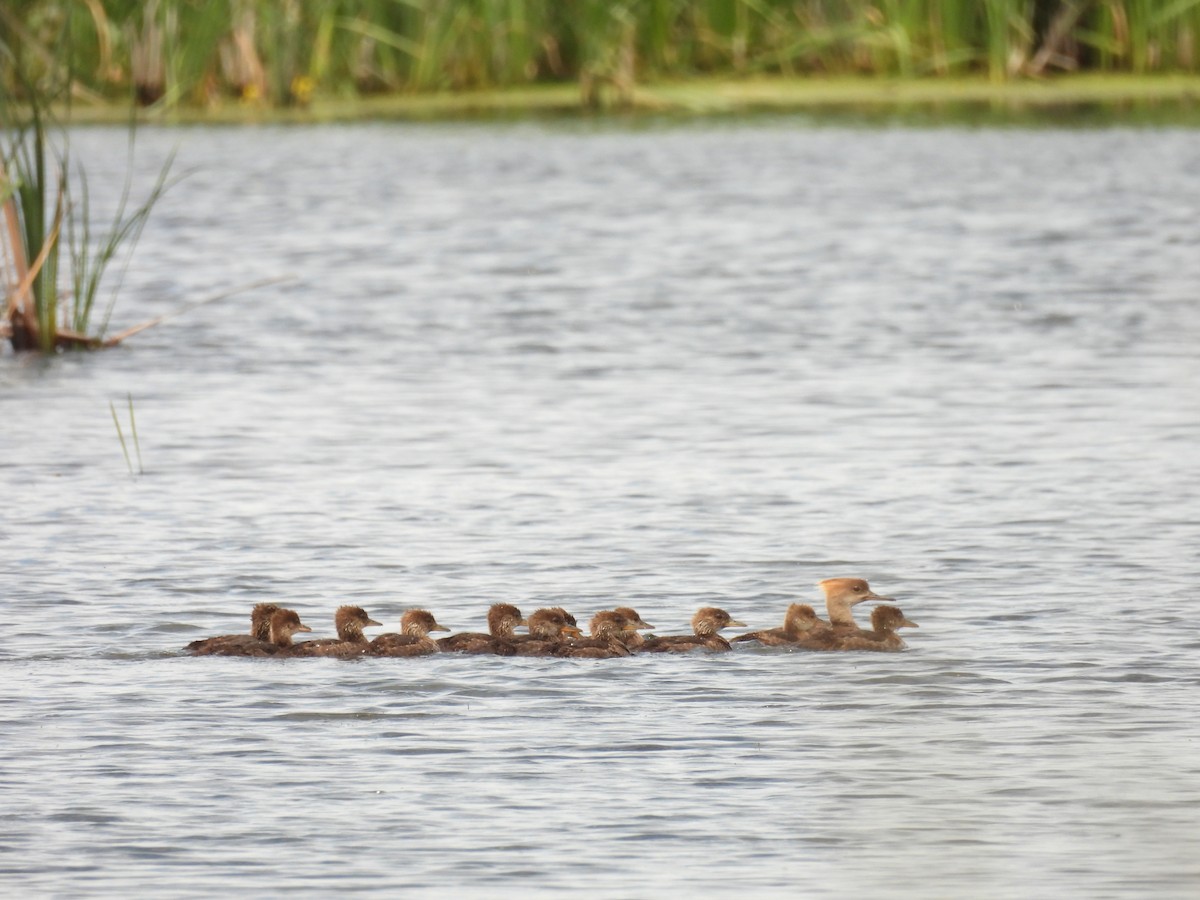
841	595
705	625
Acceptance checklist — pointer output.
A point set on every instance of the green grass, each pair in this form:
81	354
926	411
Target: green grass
289	53
1175	96
121	436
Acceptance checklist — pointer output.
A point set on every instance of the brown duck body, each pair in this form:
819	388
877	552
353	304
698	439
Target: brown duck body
229	644
705	625
610	629
503	618
800	623
413	640
283	624
842	595
882	637
350	642
549	630
633	639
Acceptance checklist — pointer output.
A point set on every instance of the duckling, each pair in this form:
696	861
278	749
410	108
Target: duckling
882	638
632	639
284	623
350	642
502	619
799	623
414	639
609	631
548	629
570	619
228	644
705	623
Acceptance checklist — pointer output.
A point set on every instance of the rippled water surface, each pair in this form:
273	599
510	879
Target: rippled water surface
670	366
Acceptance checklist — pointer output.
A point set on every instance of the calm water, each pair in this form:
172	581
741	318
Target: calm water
669	366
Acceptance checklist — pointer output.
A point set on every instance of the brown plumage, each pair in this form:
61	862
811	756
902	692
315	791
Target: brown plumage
882	638
800	623
350	642
841	595
609	629
705	625
502	619
548	629
413	640
283	624
633	639
570	619
229	644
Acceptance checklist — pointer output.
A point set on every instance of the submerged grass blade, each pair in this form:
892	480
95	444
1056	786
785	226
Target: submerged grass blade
133	428
150	323
120	436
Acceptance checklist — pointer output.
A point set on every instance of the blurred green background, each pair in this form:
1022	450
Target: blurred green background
285	53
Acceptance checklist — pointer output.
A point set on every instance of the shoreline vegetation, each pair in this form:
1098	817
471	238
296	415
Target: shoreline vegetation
66	63
1171	97
337	60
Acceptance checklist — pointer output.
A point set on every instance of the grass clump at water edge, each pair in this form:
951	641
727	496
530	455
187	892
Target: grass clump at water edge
52	263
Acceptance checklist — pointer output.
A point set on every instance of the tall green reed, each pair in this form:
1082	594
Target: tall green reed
47	235
281	51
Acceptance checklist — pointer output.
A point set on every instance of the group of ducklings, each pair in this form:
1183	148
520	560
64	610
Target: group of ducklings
555	632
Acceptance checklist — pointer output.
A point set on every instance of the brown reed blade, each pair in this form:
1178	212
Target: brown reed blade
16	304
150	323
15	244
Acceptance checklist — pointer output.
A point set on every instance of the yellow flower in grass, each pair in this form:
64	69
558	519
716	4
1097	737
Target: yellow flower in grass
302	89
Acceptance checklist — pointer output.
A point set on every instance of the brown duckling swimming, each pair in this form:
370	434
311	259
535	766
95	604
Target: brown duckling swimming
350	642
502	619
610	630
800	623
632	639
705	625
284	624
548	630
228	644
413	640
882	638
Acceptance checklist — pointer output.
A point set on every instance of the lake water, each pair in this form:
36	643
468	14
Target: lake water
665	364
